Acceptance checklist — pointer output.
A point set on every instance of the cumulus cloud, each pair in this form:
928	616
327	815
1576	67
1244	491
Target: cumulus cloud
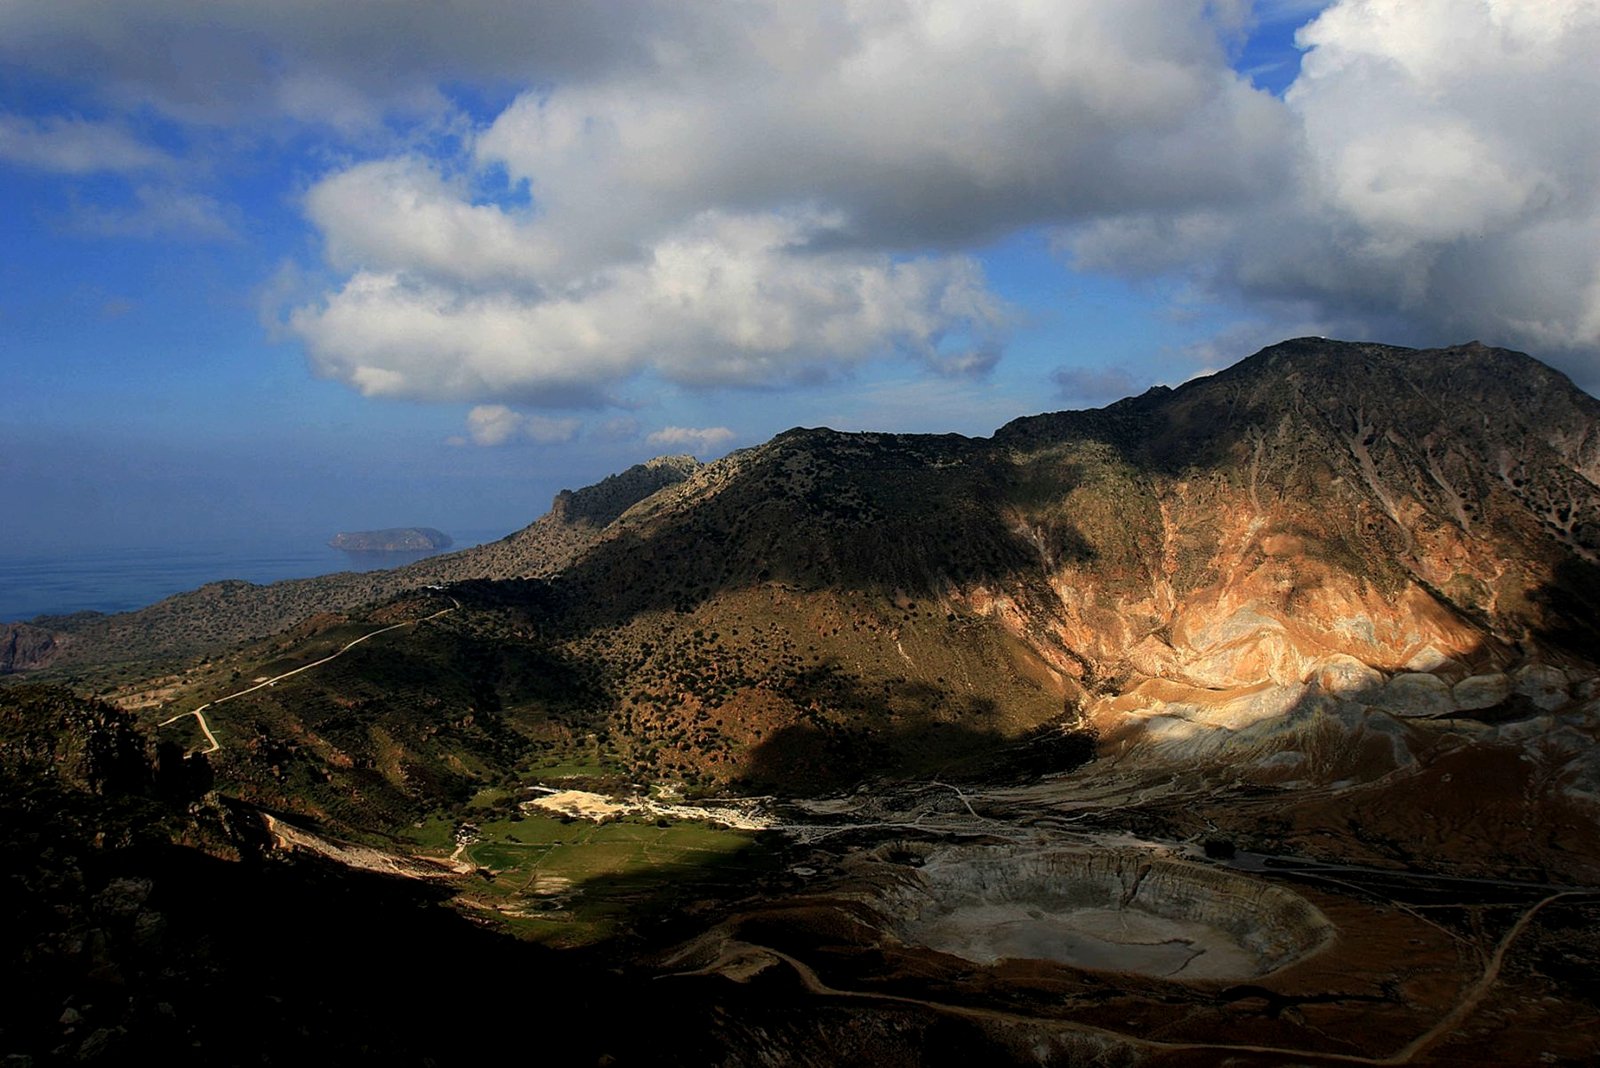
698	439
441	234
496	424
1227	344
923	123
547	431
722	300
761	193
1447	183
492	424
782	209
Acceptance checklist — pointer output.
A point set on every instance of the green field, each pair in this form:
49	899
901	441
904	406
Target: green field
575	882
573	766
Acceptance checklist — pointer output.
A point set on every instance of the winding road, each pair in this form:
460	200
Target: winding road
199	713
1470	999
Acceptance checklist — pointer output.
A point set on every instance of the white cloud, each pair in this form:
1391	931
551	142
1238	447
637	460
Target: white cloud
1447	184
492	424
548	431
1226	345
496	424
400	215
620	428
925	122
724	300
697	439
759	193
74	146
782	208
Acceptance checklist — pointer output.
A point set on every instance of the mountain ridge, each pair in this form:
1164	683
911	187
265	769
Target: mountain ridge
1256	583
1333	610
1254	528
1164	538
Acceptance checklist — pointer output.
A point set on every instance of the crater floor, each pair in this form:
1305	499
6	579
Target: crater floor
1106	911
1103	939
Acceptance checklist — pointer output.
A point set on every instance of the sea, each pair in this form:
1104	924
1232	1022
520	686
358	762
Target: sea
122	579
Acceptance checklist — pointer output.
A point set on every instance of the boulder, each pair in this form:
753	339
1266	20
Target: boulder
1481	691
1415	693
1542	684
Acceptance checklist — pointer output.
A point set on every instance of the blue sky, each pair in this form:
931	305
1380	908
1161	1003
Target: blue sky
295	268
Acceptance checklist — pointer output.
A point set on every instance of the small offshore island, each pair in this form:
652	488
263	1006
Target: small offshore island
393	540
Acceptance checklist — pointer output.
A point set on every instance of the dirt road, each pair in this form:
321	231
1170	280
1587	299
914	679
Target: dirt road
199	713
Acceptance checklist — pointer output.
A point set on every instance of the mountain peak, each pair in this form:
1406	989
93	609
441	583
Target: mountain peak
601	503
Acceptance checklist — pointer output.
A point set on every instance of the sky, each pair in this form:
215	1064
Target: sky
292	268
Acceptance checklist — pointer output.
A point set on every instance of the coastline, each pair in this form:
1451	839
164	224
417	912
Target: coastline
123	579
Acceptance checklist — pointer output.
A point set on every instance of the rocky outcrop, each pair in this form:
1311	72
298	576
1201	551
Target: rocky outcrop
24	647
51	736
613	495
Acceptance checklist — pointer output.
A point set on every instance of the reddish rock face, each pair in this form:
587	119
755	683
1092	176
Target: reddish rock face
1325	528
1325	533
23	647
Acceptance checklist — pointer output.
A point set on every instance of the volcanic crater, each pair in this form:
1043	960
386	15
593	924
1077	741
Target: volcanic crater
1105	910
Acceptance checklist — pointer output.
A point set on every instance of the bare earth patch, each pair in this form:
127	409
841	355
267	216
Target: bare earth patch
582	804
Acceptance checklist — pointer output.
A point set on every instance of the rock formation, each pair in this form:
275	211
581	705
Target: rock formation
23	647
